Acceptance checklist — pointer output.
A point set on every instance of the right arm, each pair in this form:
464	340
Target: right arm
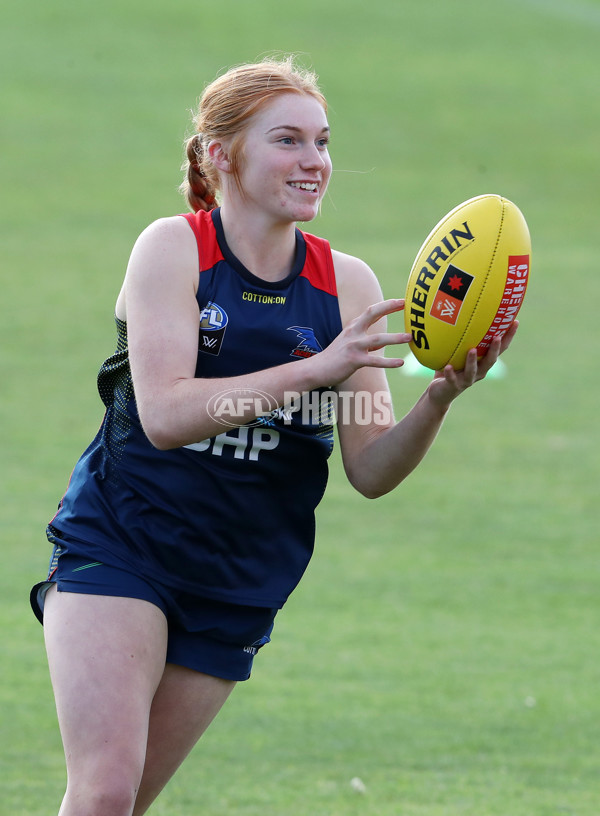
158	301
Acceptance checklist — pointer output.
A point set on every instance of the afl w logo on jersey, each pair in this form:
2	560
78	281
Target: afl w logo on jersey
213	322
308	344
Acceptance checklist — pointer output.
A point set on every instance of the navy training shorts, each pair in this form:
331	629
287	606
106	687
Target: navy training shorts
213	637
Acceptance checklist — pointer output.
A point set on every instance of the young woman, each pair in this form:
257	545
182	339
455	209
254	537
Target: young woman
190	517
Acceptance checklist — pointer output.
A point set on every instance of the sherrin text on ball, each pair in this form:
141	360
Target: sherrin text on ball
468	281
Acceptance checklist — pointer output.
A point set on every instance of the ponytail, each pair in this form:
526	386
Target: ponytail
196	186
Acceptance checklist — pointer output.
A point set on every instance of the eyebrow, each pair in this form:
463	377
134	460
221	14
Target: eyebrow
296	129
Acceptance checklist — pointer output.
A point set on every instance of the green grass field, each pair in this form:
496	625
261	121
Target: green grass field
443	646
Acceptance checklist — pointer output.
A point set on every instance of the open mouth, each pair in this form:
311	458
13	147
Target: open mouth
311	186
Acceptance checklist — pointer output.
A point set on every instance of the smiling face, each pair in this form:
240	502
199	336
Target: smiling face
286	166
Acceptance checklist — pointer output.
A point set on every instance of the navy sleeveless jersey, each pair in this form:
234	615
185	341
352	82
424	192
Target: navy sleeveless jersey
230	518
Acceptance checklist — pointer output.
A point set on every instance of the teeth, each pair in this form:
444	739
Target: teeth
302	185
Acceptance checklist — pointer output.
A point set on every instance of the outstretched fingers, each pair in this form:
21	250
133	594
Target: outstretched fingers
376	311
375	341
361	344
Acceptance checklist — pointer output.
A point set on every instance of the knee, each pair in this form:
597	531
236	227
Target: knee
112	795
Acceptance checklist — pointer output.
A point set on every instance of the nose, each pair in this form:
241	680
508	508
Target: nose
313	158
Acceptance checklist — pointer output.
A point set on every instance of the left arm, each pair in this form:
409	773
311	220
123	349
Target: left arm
380	453
378	457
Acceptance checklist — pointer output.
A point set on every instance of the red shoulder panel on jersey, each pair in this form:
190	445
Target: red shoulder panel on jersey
209	251
319	264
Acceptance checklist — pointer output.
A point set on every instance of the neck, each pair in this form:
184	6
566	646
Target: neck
266	249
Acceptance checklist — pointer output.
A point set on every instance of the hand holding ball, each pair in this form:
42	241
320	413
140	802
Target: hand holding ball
468	281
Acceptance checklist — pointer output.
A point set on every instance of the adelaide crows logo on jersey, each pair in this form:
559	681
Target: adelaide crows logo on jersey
213	322
308	344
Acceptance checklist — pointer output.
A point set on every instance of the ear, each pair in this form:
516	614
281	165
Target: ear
219	156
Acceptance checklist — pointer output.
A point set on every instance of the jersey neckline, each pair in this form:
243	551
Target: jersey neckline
249	277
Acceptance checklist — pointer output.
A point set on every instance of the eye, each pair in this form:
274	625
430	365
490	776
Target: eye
323	143
288	140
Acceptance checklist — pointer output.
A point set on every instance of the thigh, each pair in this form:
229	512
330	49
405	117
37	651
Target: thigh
106	657
184	705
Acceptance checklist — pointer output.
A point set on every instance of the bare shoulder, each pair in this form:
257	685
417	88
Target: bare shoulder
165	255
165	236
357	285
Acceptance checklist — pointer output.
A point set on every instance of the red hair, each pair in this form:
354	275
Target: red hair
225	109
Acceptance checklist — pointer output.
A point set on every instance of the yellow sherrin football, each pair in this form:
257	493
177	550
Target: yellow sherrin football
468	281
